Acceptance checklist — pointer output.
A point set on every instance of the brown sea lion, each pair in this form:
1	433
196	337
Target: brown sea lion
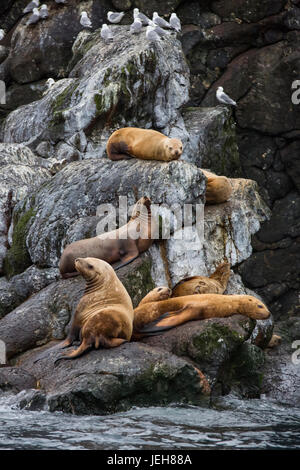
218	188
118	245
216	283
165	314
104	314
146	144
274	341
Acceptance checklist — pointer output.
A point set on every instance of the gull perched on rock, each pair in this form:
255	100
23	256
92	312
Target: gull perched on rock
144	19
160	31
136	26
115	17
223	98
44	12
151	35
49	83
34	18
158	21
2	34
106	33
175	22
85	21
31	6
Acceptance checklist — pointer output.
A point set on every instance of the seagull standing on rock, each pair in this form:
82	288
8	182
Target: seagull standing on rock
136	26
2	34
34	18
85	21
158	21
160	31
223	98
44	12
175	22
151	35
29	8
144	19
106	33
115	17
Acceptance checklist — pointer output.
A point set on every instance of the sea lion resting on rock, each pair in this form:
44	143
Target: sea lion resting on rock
118	245
154	317
216	283
104	314
218	188
146	144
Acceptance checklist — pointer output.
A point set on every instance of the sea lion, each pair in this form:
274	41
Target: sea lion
146	144
104	314
165	314
216	283
118	245
274	341
218	188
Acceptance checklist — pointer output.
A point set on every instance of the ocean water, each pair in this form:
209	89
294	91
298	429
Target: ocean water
231	424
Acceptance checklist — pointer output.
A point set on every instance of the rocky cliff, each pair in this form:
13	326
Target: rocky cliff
55	173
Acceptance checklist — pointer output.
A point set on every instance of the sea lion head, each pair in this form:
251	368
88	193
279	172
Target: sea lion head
92	268
157	294
173	148
141	207
253	308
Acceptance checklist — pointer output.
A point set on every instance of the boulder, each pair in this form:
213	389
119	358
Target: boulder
111	380
15	379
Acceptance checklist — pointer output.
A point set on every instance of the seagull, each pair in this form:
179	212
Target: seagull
106	32
158	21
223	98
85	21
49	83
157	29
175	22
2	34
115	17
31	6
136	26
151	35
44	12
34	18
144	19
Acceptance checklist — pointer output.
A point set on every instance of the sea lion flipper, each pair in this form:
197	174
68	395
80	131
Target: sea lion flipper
64	344
165	322
126	261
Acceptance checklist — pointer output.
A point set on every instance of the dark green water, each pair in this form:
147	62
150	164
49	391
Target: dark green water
233	424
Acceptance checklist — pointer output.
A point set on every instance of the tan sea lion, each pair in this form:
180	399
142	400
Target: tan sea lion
104	314
218	188
118	245
146	144
216	283
274	341
165	314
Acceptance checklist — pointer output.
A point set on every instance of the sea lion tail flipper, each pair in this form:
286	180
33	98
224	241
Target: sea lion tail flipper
121	264
118	151
163	323
76	353
64	344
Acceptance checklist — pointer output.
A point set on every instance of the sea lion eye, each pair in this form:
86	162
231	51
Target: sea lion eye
159	289
90	266
260	306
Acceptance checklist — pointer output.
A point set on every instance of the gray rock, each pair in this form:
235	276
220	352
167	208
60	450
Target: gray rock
20	172
106	381
15	379
20	287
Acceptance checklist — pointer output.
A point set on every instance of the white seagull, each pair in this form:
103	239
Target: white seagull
175	22
31	6
151	35
2	34
85	21
115	17
160	31
158	21
223	98
136	26
106	33
34	18
49	83
44	12
144	19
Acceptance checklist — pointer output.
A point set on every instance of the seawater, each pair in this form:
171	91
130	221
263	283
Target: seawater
230	424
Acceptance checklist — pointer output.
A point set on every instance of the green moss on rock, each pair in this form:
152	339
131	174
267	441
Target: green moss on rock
17	258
